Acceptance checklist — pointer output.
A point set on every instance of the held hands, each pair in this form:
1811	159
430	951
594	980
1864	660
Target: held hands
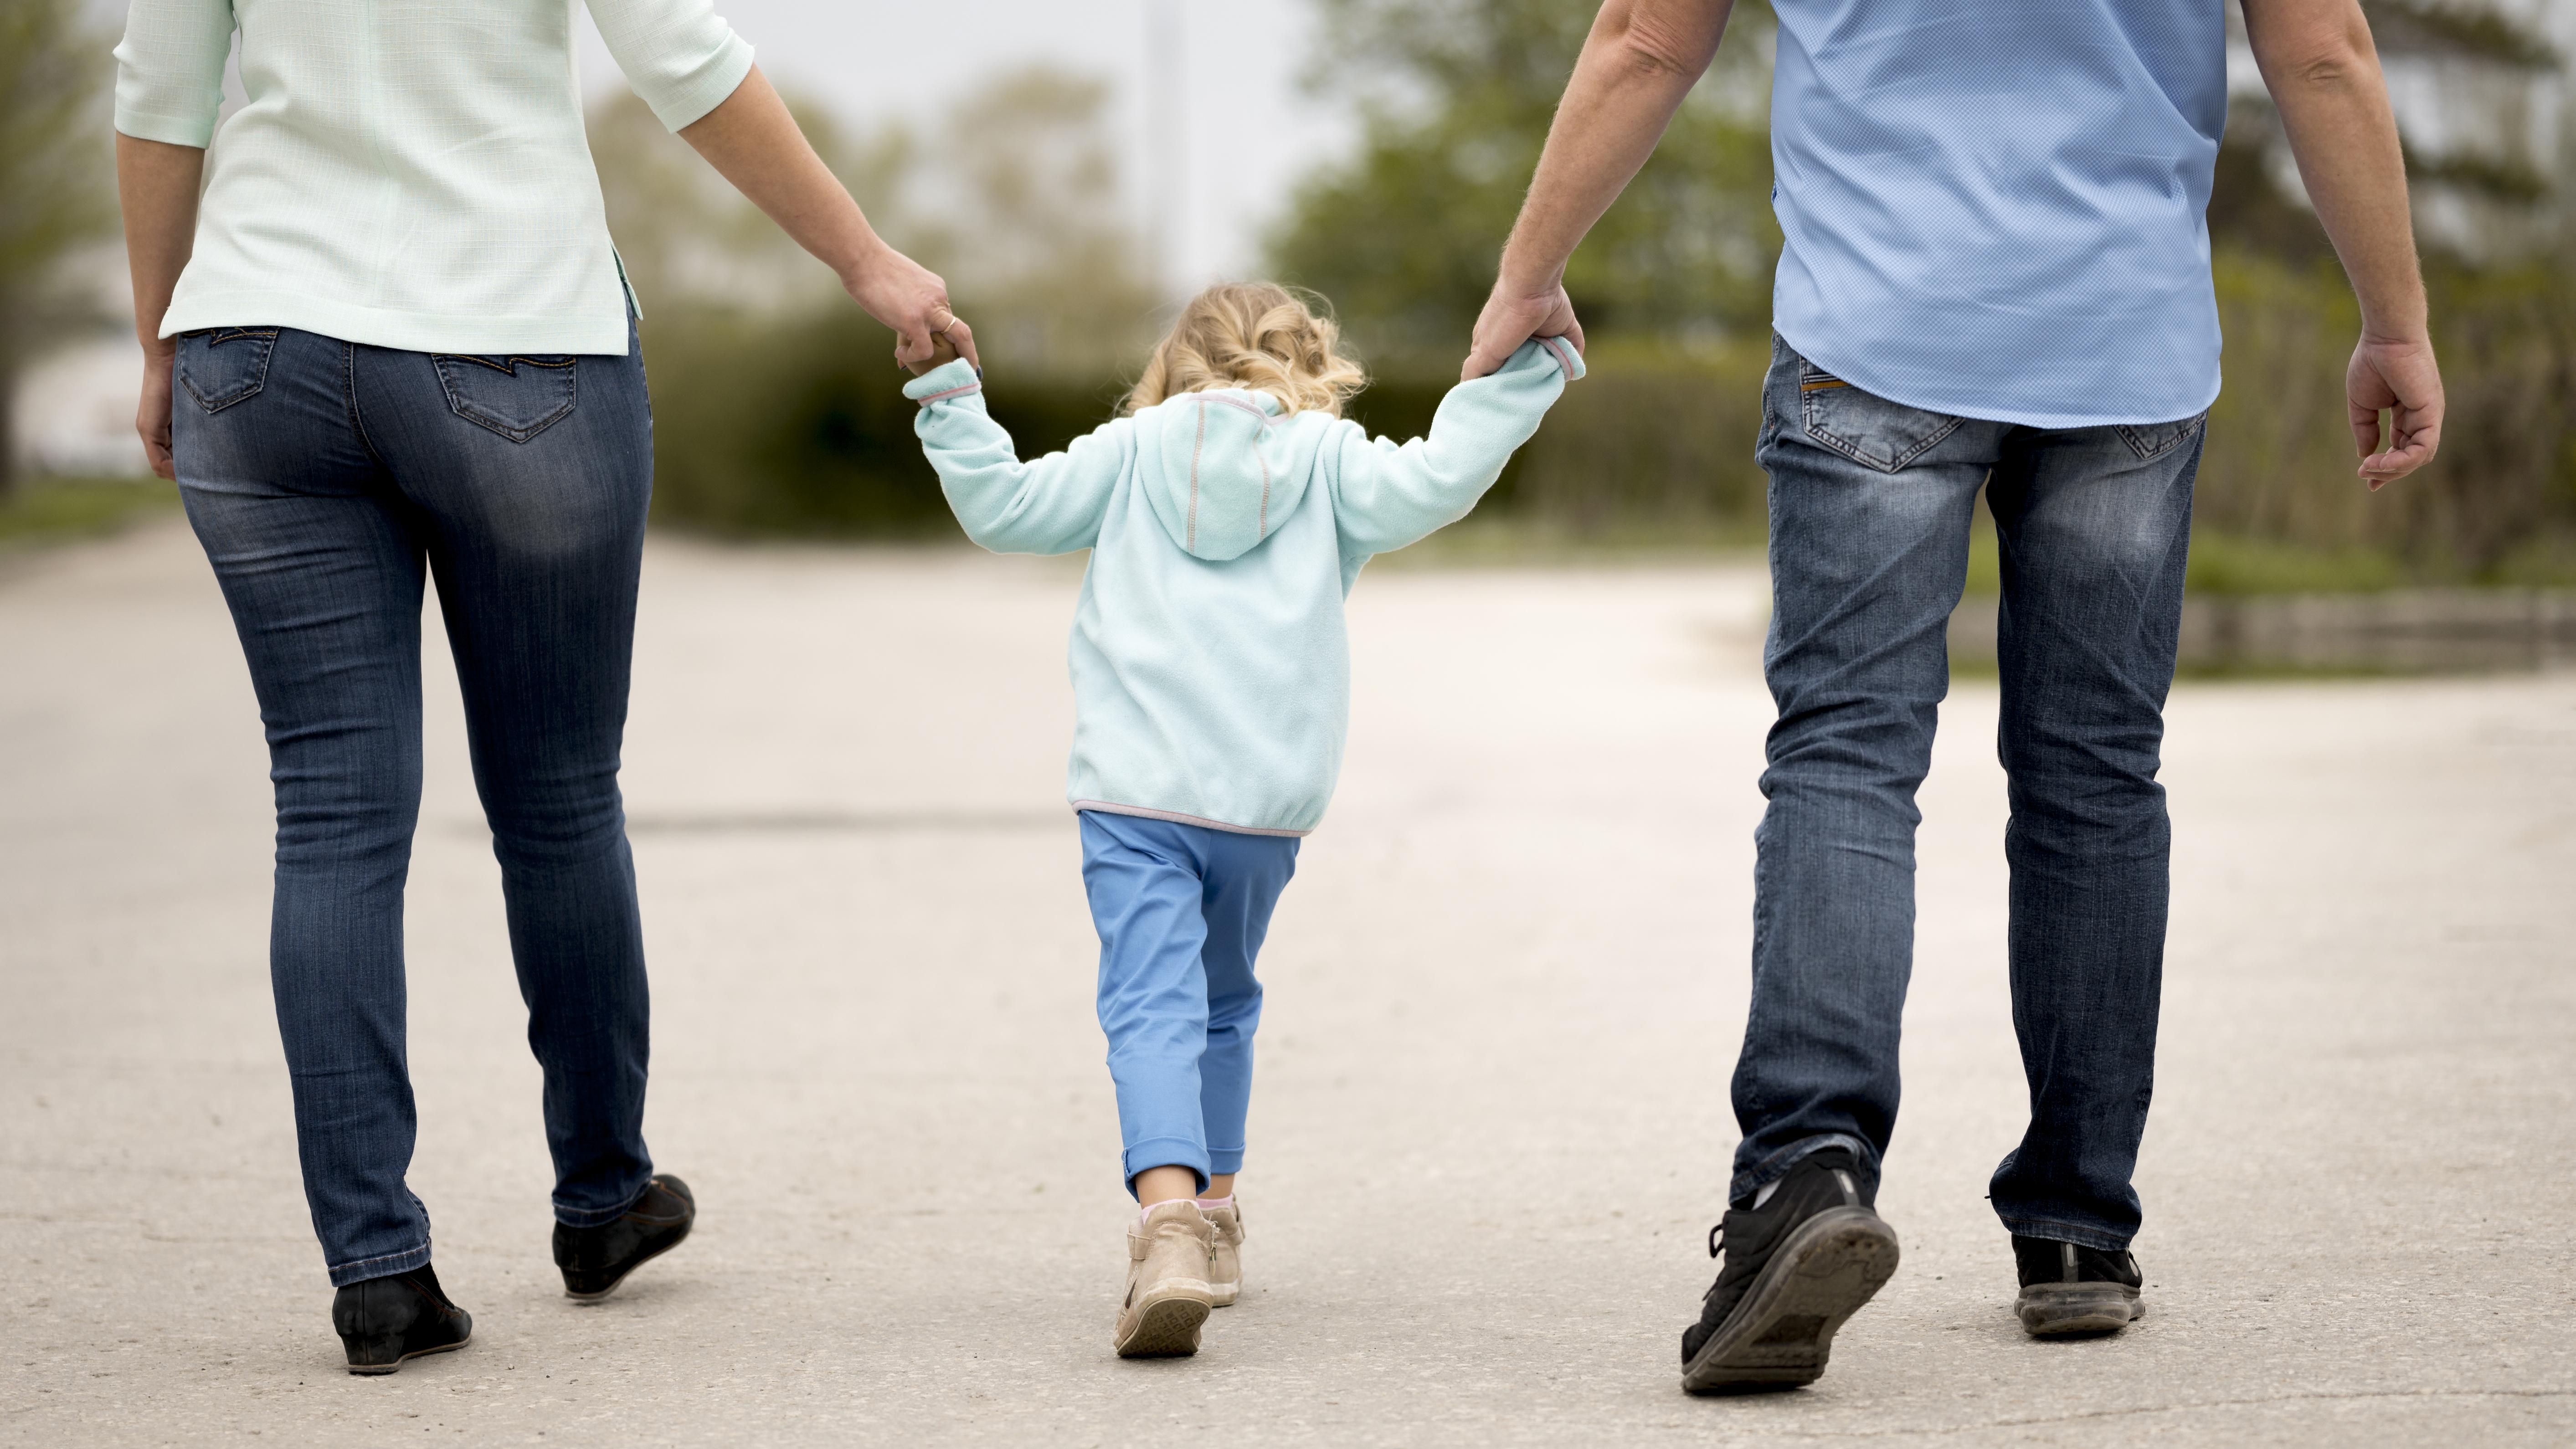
1513	315
911	299
2403	378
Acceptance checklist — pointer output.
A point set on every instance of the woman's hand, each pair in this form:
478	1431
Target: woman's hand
152	414
910	298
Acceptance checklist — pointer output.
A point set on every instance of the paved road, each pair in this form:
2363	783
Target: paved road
1505	993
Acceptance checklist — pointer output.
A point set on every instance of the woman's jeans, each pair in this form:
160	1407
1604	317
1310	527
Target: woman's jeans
1871	504
1181	911
327	481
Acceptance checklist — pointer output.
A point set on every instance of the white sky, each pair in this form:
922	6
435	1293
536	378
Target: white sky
1251	131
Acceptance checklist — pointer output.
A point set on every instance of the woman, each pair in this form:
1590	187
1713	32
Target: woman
392	343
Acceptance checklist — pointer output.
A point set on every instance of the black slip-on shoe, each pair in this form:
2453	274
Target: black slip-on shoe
595	1260
386	1322
1796	1268
2070	1289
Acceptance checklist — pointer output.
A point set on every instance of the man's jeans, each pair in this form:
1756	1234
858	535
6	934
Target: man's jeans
1871	503
326	481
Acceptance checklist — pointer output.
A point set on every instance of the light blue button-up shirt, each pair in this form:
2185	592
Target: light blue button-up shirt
1995	208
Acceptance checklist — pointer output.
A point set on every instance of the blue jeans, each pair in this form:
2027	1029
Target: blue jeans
327	481
1181	911
1871	503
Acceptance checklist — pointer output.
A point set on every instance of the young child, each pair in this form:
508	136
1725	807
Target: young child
1227	513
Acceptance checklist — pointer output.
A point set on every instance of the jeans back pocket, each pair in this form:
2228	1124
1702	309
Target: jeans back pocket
220	366
2151	441
1863	426
517	396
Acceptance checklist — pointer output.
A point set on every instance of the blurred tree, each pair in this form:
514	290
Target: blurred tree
2476	84
1455	97
54	193
1015	201
1029	216
688	238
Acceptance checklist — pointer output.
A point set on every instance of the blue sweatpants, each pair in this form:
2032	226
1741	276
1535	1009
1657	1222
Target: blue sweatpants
1181	911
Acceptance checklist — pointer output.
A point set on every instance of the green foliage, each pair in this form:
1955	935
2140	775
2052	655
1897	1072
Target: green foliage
1455	97
54	170
800	426
55	510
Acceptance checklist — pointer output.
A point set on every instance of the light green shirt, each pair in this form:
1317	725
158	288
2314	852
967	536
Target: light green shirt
408	173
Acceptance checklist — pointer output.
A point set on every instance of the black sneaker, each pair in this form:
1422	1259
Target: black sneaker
386	1322
595	1260
1796	1268
2067	1288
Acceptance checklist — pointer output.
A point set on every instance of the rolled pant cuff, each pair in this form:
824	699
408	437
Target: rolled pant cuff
1166	1152
1224	1161
1771	1169
2059	1232
573	1217
384	1265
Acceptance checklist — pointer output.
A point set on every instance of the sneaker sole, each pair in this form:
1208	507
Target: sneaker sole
371	1370
1783	1332
1222	1295
1167	1327
2051	1310
620	1280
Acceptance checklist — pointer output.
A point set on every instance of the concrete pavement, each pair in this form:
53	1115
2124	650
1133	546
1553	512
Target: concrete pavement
1491	1124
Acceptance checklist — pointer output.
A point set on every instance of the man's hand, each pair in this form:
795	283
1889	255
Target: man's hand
2402	378
2317	58
1513	316
1641	58
152	414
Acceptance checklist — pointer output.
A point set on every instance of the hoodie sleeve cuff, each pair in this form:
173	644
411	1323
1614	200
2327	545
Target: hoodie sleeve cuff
946	382
1563	353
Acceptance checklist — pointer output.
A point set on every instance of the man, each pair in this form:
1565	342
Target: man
1995	274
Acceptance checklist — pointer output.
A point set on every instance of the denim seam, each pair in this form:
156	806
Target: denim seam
1807	422
487	419
597	1216
422	1252
2051	1230
2137	443
1777	1165
349	401
267	339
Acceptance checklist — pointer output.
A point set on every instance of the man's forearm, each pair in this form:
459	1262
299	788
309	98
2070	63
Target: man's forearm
156	186
1638	64
2317	58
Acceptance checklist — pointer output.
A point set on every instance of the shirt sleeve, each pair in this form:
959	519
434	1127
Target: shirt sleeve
1387	495
1053	505
679	55
170	70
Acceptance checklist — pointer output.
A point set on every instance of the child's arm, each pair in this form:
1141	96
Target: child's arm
1387	495
1053	505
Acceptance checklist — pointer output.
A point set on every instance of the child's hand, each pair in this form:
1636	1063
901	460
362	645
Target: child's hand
944	345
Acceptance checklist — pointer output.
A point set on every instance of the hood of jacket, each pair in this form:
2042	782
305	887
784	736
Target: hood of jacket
1230	471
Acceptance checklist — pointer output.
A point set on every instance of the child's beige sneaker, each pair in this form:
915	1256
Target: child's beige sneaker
1168	1296
1225	1265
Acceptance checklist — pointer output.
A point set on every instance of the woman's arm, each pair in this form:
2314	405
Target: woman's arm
2323	71
156	183
750	138
1053	505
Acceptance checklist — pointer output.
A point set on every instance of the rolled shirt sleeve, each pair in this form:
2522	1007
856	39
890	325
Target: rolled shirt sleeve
679	55
170	70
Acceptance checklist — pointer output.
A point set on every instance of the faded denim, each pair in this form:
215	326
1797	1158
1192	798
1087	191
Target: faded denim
1871	504
328	482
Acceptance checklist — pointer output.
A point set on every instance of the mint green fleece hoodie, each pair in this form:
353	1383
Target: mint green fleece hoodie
1211	670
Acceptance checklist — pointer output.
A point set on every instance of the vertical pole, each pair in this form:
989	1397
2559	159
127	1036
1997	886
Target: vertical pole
1167	128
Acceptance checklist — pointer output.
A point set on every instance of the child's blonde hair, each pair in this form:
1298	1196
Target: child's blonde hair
1254	335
